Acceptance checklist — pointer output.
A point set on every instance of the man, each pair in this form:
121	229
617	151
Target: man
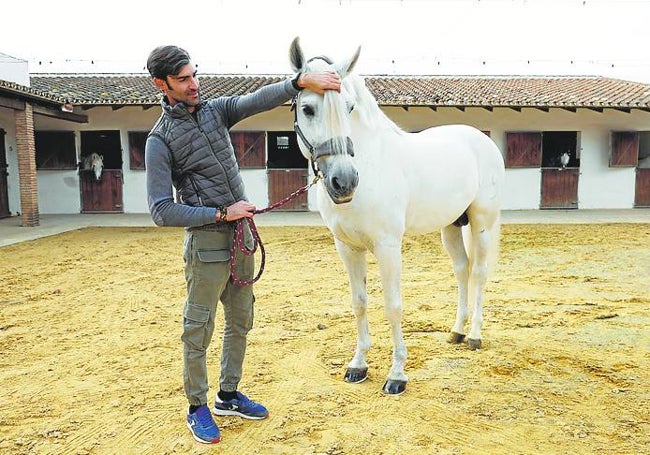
189	148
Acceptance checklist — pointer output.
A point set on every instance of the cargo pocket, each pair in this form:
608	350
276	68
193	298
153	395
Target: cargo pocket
213	255
210	269
195	324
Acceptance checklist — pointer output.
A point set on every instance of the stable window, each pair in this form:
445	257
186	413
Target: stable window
137	140
105	143
284	152
547	149
560	149
623	148
249	148
523	149
55	150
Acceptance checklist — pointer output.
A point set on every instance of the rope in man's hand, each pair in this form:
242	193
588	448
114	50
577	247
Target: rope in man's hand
238	243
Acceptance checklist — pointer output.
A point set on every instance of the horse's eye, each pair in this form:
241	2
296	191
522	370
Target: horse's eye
308	111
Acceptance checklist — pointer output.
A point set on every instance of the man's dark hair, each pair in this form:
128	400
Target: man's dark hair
166	60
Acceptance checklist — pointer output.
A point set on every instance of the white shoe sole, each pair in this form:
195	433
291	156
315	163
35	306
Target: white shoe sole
225	412
196	438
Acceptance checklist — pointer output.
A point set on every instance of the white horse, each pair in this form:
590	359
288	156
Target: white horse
380	183
94	162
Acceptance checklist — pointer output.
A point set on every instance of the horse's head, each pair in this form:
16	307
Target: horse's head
97	165
322	124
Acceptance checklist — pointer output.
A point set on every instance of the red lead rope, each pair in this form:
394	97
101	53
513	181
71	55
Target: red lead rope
239	244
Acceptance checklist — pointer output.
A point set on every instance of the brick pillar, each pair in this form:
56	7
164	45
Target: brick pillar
26	149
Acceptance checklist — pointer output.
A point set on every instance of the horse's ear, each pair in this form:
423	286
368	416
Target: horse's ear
296	56
347	66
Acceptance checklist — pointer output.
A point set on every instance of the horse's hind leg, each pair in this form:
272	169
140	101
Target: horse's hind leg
452	240
484	240
355	264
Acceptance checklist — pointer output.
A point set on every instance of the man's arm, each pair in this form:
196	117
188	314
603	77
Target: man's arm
164	211
239	107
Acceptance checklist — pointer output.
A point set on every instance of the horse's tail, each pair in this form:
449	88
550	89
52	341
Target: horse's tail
493	245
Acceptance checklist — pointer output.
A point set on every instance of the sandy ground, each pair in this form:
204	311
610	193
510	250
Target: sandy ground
90	352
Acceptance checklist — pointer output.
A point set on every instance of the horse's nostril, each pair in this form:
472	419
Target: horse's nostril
335	184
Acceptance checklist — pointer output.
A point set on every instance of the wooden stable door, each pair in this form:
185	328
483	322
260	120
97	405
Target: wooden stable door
283	182
4	188
103	196
642	190
559	188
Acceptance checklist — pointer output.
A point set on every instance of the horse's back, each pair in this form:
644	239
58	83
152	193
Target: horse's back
462	137
448	169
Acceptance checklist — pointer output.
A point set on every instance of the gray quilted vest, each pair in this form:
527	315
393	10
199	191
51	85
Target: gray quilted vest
204	169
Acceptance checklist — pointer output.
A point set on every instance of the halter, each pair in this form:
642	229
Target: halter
324	148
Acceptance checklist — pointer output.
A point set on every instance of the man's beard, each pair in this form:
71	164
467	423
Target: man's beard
187	100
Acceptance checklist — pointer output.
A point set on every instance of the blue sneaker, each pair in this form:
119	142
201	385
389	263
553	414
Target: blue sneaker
202	426
241	406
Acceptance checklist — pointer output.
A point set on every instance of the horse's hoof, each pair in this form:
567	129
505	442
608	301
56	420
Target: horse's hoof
474	344
394	387
456	338
356	375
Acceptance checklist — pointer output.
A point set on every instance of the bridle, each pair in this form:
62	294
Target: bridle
324	148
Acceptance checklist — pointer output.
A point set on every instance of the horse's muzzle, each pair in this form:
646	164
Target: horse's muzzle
340	176
341	181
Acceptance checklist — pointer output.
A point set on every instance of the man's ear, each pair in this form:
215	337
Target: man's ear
160	83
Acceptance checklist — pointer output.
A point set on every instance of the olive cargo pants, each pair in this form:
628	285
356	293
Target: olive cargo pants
207	274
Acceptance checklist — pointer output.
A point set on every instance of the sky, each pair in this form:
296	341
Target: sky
397	37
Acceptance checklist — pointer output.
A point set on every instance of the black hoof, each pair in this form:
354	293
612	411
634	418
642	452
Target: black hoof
394	387
356	375
474	344
456	338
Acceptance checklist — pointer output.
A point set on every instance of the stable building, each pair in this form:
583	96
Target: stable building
568	142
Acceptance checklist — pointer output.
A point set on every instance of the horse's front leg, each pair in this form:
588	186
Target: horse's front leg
355	264
389	258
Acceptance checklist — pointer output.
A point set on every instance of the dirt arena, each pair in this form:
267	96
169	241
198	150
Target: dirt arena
91	356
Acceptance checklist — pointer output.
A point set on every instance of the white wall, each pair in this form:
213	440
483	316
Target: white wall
58	192
256	184
602	186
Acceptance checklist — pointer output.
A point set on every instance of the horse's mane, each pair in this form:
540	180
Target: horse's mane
334	109
366	105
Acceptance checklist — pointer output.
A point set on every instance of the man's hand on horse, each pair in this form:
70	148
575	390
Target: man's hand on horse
320	82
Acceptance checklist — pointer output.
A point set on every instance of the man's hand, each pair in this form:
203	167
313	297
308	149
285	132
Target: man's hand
319	82
240	209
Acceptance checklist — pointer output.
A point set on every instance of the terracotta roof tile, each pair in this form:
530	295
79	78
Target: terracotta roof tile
509	91
27	92
434	91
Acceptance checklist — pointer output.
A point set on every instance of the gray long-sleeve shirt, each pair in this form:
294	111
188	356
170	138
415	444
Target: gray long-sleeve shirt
194	155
